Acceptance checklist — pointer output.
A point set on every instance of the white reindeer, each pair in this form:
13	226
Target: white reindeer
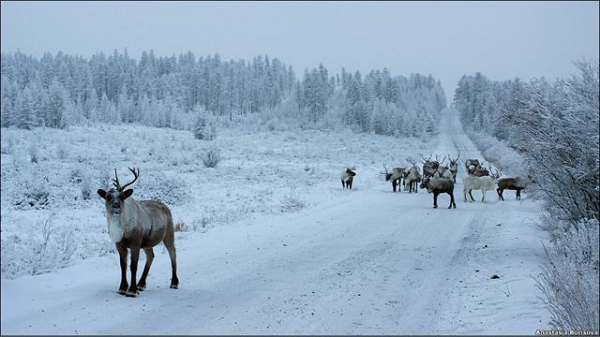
412	178
483	183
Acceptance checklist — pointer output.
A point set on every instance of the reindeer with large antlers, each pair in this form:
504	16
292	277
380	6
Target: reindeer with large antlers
453	167
412	177
138	225
483	183
395	176
431	166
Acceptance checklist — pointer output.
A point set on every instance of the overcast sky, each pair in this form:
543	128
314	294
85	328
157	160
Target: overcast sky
445	39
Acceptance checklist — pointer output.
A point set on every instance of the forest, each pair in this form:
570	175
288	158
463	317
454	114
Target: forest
173	92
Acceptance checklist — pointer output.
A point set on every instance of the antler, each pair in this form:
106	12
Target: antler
496	174
118	184
386	170
442	160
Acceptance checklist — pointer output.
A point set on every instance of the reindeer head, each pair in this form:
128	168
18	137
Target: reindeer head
115	197
453	162
387	174
425	184
496	174
350	172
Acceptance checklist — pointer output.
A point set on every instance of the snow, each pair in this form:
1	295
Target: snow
365	261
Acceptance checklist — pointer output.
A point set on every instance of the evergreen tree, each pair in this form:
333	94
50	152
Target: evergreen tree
56	106
24	110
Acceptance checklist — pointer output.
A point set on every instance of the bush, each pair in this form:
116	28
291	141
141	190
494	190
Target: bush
291	203
49	248
570	280
171	190
34	195
62	152
212	157
33	153
86	189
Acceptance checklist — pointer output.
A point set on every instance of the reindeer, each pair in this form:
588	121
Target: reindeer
347	176
481	172
430	167
443	172
453	167
437	186
471	165
412	177
483	183
518	184
138	225
395	176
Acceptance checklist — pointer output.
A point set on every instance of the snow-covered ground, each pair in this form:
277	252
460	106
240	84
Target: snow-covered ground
275	246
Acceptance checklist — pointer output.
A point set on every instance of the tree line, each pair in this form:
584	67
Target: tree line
60	90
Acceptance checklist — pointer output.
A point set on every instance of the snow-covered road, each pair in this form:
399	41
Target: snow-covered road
365	261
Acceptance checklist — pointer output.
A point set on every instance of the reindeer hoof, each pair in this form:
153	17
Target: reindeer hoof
174	286
141	288
132	294
122	291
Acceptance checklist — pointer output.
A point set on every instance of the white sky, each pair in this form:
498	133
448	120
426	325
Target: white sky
446	39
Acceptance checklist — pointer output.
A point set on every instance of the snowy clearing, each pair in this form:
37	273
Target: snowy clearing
365	261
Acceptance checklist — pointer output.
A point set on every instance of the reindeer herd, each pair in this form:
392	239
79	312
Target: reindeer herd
439	178
135	225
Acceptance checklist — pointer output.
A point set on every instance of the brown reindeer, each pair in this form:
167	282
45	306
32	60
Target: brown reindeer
437	186
518	184
431	166
138	225
471	165
481	172
347	177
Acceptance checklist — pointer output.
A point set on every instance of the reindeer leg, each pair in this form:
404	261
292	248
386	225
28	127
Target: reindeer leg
343	184
435	200
452	201
123	261
500	194
149	257
483	195
518	194
135	255
169	242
